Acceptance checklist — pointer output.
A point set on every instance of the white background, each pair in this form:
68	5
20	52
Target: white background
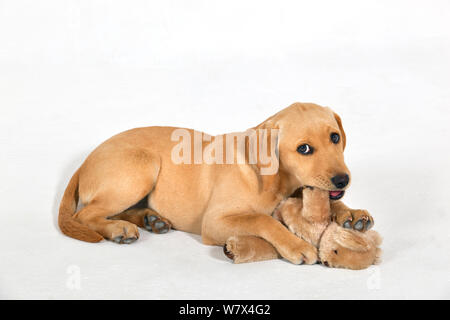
73	73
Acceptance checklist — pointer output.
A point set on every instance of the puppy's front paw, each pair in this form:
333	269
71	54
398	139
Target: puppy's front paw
310	254
357	219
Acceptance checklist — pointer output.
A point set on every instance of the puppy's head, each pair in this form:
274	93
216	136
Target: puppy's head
311	146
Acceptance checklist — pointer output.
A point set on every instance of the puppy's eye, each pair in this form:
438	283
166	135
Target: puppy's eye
335	252
305	149
335	137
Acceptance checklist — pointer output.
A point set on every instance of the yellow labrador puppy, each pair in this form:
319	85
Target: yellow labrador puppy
162	177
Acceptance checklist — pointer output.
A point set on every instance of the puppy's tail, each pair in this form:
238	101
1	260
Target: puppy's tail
68	225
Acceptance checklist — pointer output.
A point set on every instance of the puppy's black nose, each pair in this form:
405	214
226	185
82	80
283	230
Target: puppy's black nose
340	181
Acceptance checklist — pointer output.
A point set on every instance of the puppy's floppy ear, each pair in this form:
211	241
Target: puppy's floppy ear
268	149
339	122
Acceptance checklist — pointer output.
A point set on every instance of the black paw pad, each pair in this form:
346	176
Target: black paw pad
148	222
118	239
129	240
359	225
160	227
154	224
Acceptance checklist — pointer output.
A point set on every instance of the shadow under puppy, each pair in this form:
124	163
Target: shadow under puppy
310	217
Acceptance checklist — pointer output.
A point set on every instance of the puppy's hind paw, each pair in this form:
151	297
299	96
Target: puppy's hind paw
121	232
157	224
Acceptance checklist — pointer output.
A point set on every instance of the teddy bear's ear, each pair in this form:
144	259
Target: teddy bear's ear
351	240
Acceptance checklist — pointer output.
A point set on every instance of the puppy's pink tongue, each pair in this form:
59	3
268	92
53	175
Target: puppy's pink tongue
335	193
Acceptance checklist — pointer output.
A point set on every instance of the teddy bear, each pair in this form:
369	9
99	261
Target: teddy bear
342	242
309	217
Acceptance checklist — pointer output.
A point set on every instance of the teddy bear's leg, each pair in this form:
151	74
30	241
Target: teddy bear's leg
360	220
243	249
145	218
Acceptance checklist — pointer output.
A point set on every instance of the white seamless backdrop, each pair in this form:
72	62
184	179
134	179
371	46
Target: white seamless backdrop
75	72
